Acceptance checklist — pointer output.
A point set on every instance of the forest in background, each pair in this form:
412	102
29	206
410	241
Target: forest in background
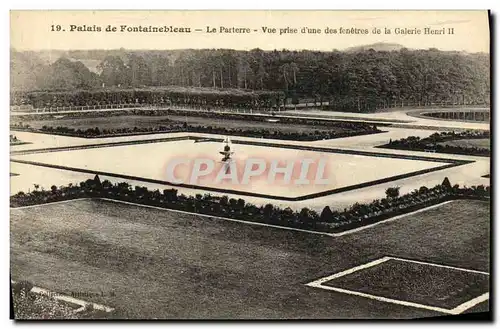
350	80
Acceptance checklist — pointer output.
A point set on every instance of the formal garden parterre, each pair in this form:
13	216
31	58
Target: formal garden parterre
329	221
465	142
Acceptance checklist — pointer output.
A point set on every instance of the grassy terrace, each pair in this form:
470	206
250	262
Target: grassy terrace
446	287
466	142
141	122
483	143
162	264
133	122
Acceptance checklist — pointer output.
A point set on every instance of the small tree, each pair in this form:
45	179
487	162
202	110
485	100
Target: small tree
326	215
268	211
97	182
305	215
392	192
170	195
224	200
423	190
233	203
446	183
241	203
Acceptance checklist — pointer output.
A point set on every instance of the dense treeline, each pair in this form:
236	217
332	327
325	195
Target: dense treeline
437	143
353	81
161	96
328	221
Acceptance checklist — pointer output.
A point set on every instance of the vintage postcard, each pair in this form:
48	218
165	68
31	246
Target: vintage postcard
250	165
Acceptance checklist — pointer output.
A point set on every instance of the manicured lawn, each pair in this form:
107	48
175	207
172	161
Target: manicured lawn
242	124
418	283
480	143
151	263
111	122
139	121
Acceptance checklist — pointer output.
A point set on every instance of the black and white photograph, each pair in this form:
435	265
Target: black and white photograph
250	165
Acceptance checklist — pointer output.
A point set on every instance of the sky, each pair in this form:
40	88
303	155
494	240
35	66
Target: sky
37	30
